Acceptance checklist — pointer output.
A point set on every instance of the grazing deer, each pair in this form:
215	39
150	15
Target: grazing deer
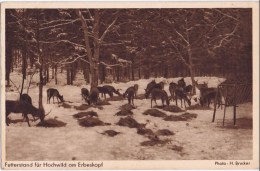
51	92
112	89
93	96
27	99
210	96
152	86
84	93
24	108
159	94
104	91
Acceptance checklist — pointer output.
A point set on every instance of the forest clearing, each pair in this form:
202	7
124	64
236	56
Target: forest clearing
128	84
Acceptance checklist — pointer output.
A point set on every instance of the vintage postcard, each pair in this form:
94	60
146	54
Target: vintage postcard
130	85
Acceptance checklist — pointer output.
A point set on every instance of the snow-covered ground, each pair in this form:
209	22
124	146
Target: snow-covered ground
199	138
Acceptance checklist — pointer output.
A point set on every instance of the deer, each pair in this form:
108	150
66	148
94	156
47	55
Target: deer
84	93
131	95
27	99
157	93
104	91
172	88
152	85
93	96
210	96
24	108
180	94
181	83
112	89
135	88
51	92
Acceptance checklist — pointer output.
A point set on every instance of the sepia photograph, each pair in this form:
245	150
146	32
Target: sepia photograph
90	84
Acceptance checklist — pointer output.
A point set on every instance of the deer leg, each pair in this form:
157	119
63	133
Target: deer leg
27	119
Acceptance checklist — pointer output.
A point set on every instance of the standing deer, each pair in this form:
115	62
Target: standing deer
51	92
159	94
24	108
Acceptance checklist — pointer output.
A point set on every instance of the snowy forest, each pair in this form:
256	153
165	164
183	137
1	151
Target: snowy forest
190	52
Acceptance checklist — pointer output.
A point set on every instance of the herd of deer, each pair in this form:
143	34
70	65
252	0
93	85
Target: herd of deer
177	91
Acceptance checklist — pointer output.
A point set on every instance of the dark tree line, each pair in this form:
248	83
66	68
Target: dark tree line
128	44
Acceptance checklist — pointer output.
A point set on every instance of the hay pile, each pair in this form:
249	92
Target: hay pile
144	131
124	113
198	107
140	96
85	114
172	108
155	141
91	122
127	107
82	107
183	117
110	133
155	113
176	148
102	103
51	123
115	98
130	122
65	105
164	132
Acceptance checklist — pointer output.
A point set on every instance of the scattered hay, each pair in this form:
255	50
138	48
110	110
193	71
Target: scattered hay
127	107
176	148
144	131
102	103
171	108
111	133
51	123
140	96
65	105
155	113
184	117
82	107
115	98
130	122
91	122
154	142
198	107
124	113
85	114
164	132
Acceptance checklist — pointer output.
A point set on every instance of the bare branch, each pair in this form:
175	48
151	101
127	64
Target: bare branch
225	38
109	27
59	25
182	37
227	15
